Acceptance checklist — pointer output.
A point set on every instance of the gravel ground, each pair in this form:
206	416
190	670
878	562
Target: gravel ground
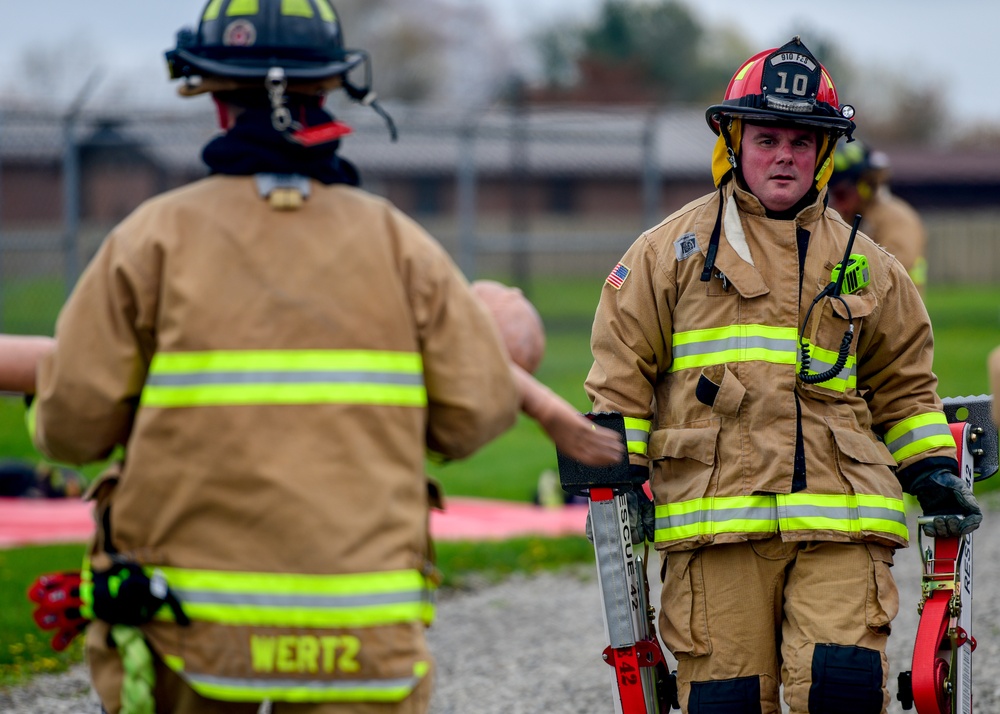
533	644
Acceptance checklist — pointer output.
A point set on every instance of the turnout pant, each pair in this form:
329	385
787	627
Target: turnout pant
742	619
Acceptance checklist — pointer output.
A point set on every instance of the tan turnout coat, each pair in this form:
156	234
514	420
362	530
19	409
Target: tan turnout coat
287	485
742	444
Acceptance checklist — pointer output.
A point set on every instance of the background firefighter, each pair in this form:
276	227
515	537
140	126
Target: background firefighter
276	350
785	420
860	184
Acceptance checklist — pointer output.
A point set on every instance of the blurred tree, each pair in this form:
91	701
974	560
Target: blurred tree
643	51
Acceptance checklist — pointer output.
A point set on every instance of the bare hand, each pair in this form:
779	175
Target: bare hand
573	434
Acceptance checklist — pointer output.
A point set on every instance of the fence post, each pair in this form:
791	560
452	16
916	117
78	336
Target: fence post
465	198
651	189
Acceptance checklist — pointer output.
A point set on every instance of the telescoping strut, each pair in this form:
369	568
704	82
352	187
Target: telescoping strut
642	683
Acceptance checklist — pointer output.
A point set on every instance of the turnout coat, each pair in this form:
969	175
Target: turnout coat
276	379
706	374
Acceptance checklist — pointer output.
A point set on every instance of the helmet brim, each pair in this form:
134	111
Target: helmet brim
184	63
833	124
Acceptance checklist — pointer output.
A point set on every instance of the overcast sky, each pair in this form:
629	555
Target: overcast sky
953	42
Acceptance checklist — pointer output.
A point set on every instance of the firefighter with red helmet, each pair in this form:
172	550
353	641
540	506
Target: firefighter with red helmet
277	351
786	411
859	185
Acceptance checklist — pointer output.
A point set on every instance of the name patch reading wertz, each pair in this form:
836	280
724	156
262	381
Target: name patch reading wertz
305	653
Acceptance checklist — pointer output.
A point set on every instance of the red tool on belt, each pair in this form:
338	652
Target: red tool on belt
940	681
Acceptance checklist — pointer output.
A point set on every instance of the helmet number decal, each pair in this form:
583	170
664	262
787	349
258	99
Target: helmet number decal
800	84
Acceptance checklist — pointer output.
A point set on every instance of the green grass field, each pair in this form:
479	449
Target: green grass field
966	325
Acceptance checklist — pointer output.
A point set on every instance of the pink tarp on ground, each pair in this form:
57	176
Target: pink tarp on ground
35	521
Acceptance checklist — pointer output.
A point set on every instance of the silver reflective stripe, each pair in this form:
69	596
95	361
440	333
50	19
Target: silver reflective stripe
818	366
737	342
747	513
194	597
193	379
916	434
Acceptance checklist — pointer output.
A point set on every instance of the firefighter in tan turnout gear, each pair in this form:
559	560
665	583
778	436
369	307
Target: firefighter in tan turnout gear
859	185
277	351
778	459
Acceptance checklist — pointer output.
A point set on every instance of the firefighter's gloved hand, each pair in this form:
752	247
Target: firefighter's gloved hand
946	498
641	517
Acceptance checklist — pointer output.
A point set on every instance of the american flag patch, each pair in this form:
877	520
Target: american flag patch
618	276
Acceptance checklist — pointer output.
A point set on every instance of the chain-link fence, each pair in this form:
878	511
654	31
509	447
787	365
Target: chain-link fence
515	193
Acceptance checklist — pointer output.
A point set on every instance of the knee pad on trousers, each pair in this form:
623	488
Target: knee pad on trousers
845	678
725	696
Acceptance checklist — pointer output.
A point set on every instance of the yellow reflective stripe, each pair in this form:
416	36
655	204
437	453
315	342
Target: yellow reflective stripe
734	343
225	581
744	69
287	360
31	419
851	514
295	600
711	516
242	7
229	395
188	379
843	513
823	359
918	273
326	10
637	435
297	690
919	434
296	8
212	10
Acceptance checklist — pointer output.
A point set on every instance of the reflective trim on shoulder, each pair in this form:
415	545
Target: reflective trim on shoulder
918	434
637	435
735	343
193	379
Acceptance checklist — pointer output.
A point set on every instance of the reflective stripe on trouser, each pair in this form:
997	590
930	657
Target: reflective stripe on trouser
918	434
637	435
848	514
296	619
726	609
220	378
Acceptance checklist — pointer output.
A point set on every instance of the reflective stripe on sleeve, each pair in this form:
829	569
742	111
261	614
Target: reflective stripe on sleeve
918	434
193	379
736	343
637	435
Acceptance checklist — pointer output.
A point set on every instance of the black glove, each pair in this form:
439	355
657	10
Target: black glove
641	516
945	496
